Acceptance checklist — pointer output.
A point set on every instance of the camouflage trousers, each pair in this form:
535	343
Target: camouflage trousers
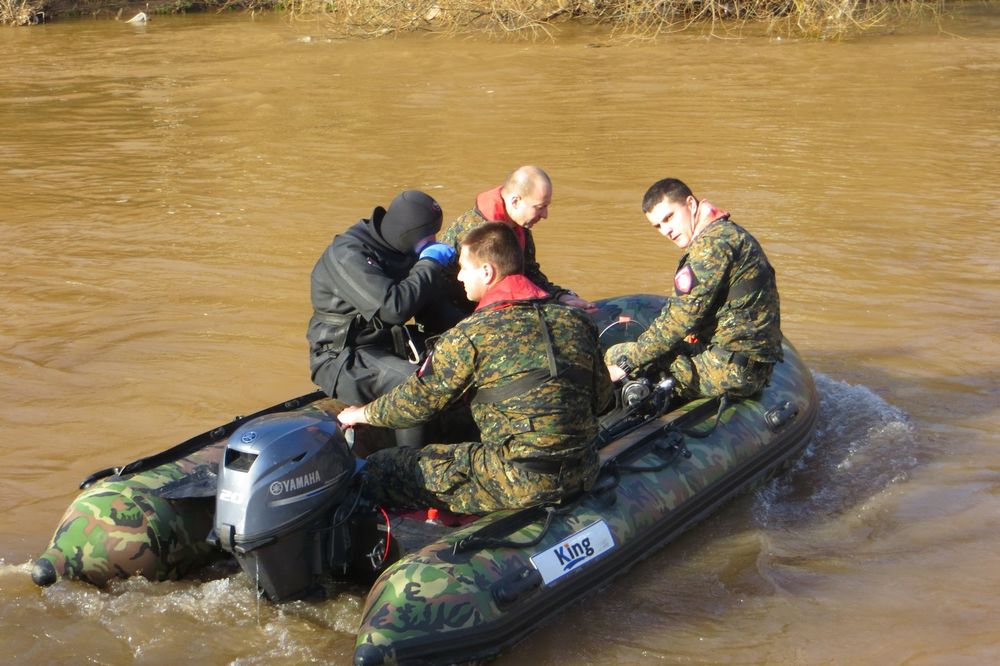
471	477
701	371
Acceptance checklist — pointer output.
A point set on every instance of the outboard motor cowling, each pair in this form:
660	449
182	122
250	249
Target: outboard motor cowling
280	481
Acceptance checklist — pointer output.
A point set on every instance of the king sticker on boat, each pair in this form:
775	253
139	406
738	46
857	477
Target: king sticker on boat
574	552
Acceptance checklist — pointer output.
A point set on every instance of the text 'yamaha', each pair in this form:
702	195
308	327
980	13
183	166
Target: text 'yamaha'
297	483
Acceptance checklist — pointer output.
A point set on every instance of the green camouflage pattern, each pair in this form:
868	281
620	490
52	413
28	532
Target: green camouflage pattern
435	604
708	372
468	221
552	423
725	297
440	606
123	526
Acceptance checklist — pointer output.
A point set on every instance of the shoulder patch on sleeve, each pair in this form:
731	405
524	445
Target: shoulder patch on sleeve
684	280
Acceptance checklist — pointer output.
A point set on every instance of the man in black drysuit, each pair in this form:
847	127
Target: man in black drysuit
366	285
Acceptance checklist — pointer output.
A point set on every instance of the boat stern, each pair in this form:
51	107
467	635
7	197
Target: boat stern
115	530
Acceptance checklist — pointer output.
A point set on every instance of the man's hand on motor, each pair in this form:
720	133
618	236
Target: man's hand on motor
352	416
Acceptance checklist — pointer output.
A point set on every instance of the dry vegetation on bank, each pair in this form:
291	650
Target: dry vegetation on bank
626	18
824	19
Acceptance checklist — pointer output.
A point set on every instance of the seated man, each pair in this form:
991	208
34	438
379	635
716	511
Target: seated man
521	203
720	331
366	285
534	372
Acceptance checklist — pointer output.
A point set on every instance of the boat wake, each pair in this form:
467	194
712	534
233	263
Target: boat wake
159	622
862	446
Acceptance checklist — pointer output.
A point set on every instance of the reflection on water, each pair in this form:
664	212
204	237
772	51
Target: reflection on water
166	190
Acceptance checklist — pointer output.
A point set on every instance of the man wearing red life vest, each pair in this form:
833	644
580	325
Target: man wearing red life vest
521	202
538	383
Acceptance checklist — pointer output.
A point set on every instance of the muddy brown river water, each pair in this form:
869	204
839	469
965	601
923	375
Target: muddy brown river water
165	190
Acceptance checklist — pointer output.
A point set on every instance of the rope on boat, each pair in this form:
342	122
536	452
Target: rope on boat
197	442
476	542
668	440
724	401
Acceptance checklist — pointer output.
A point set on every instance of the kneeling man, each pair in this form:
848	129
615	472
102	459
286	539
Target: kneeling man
720	331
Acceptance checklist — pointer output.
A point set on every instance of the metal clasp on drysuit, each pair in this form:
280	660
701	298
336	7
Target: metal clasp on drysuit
412	354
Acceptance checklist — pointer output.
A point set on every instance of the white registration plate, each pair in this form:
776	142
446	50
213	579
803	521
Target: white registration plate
574	552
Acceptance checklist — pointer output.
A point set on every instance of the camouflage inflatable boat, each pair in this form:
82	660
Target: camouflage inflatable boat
278	490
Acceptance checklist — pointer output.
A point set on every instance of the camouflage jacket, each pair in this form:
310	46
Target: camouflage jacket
551	420
453	236
725	295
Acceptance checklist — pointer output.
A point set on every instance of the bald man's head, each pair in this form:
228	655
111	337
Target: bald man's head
527	193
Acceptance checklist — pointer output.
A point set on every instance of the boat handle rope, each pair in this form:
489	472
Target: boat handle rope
668	442
724	401
475	542
611	468
675	446
197	442
672	451
484	537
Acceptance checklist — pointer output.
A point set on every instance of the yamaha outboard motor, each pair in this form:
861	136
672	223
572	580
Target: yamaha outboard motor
282	479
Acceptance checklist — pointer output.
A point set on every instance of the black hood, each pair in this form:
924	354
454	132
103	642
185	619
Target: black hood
412	215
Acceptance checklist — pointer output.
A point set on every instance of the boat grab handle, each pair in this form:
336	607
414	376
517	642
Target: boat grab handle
778	417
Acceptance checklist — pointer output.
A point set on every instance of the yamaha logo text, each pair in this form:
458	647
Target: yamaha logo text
295	483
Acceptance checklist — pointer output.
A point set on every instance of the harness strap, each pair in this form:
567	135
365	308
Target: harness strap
526	382
533	378
547	337
744	287
335	319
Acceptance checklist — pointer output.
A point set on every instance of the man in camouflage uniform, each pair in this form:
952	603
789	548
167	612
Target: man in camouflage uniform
521	202
537	382
720	331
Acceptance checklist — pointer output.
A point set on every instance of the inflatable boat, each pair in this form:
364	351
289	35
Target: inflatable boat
281	492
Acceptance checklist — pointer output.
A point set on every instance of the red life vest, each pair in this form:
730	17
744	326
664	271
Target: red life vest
492	207
511	288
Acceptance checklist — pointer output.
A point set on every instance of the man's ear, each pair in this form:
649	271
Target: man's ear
489	272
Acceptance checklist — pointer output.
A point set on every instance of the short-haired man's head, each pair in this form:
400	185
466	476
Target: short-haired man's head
526	180
667	188
527	195
495	243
